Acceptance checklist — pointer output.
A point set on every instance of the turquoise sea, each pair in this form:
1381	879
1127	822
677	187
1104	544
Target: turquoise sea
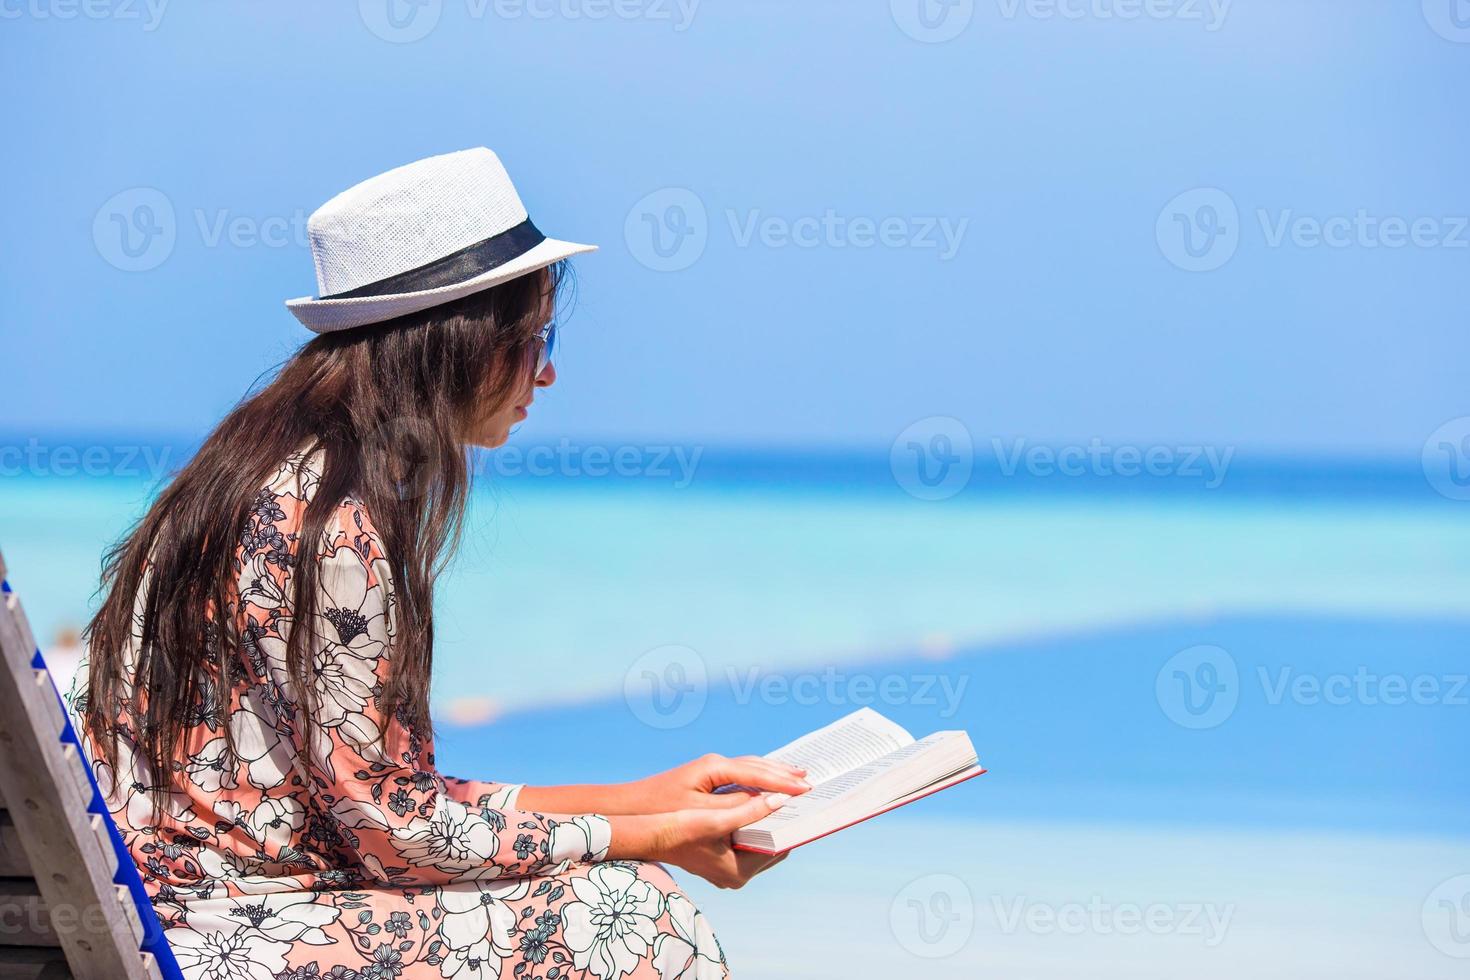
1244	706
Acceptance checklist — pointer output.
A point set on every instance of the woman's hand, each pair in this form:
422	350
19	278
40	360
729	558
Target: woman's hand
692	785
687	787
698	840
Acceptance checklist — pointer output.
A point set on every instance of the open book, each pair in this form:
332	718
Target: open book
859	766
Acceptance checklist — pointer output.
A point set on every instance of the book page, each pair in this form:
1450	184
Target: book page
849	742
943	782
837	789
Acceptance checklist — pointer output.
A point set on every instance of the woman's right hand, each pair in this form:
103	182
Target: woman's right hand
698	840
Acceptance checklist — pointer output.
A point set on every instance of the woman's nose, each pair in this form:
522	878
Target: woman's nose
547	377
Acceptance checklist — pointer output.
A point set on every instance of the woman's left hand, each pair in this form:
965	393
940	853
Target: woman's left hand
692	785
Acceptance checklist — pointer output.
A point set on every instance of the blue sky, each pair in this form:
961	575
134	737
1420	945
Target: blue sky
1049	142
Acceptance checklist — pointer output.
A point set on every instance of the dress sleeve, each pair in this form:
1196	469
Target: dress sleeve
478	793
374	777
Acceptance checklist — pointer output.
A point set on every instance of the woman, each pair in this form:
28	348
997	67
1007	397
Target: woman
256	703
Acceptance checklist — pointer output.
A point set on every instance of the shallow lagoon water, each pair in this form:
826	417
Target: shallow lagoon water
559	589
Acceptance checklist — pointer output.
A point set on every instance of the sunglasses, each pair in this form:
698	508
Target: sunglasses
547	337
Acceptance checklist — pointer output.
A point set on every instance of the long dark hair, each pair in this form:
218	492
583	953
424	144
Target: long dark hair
389	405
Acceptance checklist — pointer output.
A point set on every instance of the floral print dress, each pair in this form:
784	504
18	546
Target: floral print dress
346	854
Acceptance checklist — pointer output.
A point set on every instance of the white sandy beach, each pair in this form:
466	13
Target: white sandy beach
931	897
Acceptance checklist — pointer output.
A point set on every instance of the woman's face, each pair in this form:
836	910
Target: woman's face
494	429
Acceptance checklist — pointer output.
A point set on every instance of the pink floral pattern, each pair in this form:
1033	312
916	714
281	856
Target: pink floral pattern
346	854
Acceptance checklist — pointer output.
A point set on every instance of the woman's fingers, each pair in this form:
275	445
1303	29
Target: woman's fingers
750	863
757	773
750	811
724	801
774	860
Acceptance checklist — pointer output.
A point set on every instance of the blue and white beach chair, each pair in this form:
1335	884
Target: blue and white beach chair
71	901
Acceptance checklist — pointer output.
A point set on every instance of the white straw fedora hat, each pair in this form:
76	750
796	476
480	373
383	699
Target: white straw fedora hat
417	236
